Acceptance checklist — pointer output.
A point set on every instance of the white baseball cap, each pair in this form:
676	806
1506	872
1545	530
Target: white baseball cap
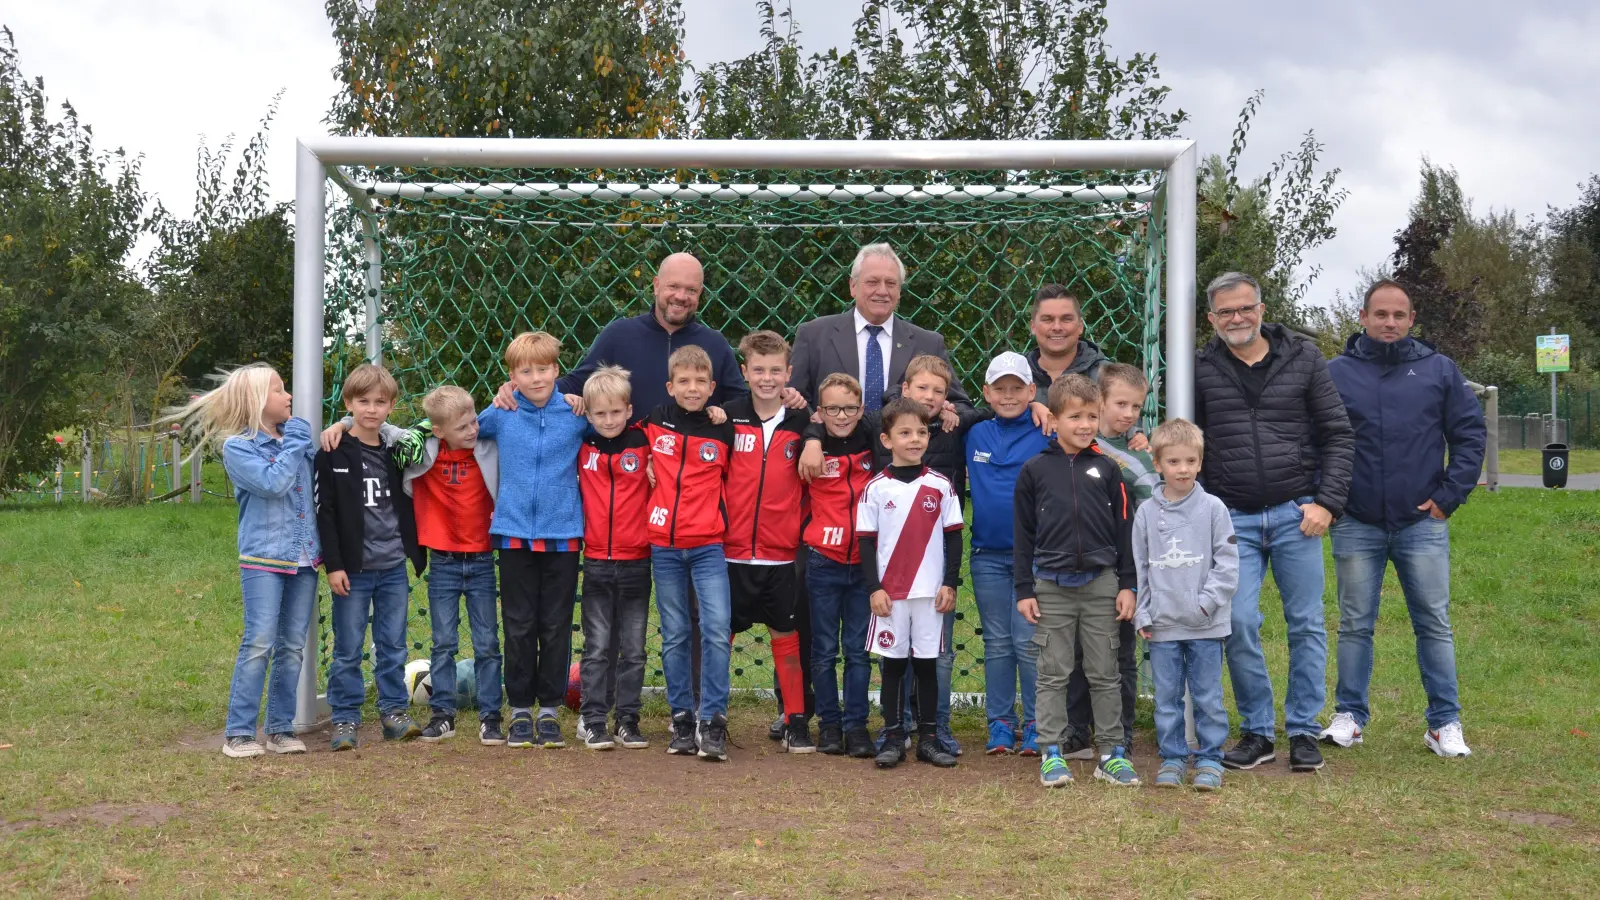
1009	363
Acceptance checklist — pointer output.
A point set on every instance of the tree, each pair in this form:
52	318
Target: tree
518	68
68	216
1573	260
1449	317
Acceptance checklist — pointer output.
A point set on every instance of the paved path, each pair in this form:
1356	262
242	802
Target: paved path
1590	482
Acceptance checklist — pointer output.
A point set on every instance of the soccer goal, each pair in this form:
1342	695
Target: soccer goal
429	254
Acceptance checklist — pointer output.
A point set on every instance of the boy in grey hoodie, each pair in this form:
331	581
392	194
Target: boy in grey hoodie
1187	560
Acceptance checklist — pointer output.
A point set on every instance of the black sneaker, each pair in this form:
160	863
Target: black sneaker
893	752
830	740
1303	754
1077	746
489	733
932	750
713	738
777	728
549	733
1251	751
521	735
858	743
439	727
797	735
629	736
682	734
594	736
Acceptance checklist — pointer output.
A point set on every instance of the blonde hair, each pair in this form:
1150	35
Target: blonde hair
232	409
1068	388
1122	373
368	378
608	381
928	364
447	403
532	348
1176	433
688	357
839	380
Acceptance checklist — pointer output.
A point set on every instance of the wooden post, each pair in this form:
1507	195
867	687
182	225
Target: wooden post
194	477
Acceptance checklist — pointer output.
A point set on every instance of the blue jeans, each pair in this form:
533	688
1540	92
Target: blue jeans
380	596
1197	665
1272	536
449	578
839	614
1421	555
277	615
1009	655
674	569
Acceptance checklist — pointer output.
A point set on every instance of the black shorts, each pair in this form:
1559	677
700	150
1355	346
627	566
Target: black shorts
763	595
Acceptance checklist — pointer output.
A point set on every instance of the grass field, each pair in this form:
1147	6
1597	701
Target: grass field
1531	462
122	626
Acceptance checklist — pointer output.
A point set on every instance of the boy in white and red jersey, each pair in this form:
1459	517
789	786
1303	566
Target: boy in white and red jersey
616	563
839	605
689	455
764	514
909	533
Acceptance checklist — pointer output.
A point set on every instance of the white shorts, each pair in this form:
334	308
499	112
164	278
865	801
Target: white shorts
912	627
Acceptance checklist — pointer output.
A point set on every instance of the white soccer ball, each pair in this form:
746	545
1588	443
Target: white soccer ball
419	682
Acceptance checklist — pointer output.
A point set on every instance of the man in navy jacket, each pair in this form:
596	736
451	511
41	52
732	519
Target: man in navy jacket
1408	404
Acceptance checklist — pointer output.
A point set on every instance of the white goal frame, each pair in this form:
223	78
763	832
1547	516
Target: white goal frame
317	161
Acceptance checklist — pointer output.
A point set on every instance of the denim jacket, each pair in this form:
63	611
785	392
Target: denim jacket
272	481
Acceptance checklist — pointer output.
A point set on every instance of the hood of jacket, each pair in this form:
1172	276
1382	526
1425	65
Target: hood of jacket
1405	350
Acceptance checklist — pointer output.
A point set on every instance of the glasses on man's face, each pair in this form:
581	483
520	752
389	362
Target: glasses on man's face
1242	312
837	411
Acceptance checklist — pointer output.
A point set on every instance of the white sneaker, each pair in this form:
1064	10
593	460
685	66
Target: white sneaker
1343	731
1447	741
285	743
241	747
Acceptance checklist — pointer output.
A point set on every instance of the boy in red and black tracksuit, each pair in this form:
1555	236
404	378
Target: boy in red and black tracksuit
837	592
764	496
689	455
616	563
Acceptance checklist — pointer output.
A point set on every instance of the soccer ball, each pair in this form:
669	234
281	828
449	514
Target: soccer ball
574	687
419	682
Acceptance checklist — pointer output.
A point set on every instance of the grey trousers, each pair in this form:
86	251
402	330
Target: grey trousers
1070	618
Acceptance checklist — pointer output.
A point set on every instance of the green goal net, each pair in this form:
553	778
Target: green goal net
455	262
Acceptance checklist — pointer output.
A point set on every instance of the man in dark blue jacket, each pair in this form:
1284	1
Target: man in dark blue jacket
1408	405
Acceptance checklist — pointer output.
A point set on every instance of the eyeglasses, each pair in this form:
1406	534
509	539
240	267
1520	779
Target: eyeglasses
1242	312
839	410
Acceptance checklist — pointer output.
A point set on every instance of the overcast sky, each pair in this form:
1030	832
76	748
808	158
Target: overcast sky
1505	93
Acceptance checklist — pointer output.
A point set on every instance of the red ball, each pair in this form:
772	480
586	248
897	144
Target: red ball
574	687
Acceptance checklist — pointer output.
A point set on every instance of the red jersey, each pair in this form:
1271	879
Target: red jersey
764	488
453	505
691	457
616	495
846	468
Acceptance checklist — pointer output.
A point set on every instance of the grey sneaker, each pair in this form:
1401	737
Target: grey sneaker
344	736
242	747
399	726
683	734
285	743
713	738
1117	769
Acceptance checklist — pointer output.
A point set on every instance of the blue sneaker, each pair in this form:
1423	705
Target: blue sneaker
1207	776
1171	774
1053	770
1029	745
949	740
521	735
1116	769
549	733
1001	738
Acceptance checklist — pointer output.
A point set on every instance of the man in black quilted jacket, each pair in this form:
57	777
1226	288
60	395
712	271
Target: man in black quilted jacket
1279	450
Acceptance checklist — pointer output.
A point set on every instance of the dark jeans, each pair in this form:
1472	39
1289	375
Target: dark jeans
1080	714
451	577
616	612
839	613
537	589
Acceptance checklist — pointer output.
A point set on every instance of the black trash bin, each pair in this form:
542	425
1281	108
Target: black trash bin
1555	465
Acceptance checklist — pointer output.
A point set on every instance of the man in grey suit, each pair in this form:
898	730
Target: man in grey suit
869	342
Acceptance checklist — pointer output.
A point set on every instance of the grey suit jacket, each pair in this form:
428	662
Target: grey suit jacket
827	345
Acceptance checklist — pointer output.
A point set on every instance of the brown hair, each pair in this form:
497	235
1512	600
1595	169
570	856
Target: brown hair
1055	292
764	343
369	379
839	380
1071	387
688	357
1176	433
1122	373
447	403
928	364
532	348
899	408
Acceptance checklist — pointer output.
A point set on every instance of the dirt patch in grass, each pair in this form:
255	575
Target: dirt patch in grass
138	815
1523	817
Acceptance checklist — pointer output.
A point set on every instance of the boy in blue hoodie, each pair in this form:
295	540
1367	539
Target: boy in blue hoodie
995	452
537	529
1187	560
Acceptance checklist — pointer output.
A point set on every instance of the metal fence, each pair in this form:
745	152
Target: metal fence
1526	421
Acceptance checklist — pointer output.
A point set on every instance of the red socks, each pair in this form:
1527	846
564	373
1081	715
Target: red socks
786	661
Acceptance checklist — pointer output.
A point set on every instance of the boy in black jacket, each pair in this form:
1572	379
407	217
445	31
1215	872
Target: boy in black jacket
1075	577
368	532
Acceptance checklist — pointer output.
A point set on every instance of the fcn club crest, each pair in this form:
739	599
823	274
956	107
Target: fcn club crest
789	449
929	504
886	639
708	451
630	462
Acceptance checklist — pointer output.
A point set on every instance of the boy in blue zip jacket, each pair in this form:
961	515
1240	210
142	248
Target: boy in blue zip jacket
537	530
995	452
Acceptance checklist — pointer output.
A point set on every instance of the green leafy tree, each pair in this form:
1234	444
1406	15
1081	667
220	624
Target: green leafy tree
68	215
1573	268
1448	316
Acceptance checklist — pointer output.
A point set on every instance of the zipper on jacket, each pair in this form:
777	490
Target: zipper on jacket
850	484
611	519
1072	479
677	495
1261	466
761	487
